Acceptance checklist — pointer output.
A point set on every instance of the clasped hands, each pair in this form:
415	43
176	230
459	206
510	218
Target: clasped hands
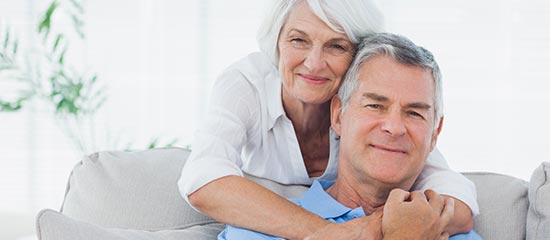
406	215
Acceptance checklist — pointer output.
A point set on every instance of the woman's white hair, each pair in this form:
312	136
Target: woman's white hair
355	18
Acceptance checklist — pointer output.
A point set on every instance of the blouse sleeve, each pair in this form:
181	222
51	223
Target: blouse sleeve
220	136
438	176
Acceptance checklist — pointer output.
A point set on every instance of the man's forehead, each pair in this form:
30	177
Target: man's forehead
384	77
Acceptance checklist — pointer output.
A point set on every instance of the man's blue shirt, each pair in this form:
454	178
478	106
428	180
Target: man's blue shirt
317	200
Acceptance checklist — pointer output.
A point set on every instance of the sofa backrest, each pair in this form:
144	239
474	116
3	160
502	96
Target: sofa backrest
138	190
135	190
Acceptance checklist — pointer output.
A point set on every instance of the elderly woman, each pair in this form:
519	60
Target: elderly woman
269	117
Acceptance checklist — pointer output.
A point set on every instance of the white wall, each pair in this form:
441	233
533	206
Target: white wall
494	56
158	58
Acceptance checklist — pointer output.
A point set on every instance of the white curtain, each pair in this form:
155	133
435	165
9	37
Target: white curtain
156	60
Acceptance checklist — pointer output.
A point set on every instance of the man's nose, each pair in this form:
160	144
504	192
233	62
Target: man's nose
393	124
315	60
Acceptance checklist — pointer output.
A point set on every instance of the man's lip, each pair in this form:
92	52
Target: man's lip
389	149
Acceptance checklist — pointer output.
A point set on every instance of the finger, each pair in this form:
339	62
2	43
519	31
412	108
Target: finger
444	236
448	211
418	196
436	201
397	196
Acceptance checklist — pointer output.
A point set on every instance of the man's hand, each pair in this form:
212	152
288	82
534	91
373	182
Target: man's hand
416	215
364	228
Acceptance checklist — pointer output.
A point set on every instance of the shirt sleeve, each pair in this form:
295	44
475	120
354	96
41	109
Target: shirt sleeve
236	233
220	137
437	176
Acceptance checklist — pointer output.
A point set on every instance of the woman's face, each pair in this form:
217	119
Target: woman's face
312	58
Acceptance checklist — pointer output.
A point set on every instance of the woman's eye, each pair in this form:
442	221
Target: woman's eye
339	47
297	40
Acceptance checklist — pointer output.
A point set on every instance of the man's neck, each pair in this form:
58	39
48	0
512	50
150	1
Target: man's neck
351	193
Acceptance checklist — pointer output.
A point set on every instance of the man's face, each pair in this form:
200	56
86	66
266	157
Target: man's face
387	130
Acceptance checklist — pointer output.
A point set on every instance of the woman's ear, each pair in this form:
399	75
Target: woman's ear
335	112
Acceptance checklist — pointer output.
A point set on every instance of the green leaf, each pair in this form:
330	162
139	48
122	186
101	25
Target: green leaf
172	143
93	79
13	106
62	57
67	106
15	45
153	143
45	23
57	41
9	107
77	5
6	39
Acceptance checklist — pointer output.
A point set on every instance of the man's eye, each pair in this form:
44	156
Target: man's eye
375	106
415	114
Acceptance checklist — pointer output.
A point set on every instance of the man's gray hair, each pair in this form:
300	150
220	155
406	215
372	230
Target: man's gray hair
403	51
355	18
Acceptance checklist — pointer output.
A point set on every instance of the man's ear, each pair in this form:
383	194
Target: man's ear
436	133
335	112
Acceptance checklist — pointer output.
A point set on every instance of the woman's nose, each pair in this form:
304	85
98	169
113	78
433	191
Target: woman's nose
315	61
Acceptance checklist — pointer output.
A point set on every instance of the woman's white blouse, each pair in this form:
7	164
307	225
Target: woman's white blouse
246	130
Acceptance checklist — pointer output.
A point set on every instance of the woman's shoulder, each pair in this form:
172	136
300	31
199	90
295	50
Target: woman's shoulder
254	67
253	76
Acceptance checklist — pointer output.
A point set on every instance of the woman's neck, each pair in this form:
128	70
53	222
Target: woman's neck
309	120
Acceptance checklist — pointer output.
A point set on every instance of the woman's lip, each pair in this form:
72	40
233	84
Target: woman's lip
389	149
313	78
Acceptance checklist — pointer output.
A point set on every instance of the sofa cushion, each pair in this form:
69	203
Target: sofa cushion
131	190
538	217
503	206
52	225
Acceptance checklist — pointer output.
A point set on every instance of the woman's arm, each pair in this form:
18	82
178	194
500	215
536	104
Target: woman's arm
241	202
439	177
462	221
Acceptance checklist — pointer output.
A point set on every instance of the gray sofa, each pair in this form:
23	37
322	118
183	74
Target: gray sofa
133	195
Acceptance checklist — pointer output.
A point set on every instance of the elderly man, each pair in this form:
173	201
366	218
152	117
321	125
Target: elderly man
388	114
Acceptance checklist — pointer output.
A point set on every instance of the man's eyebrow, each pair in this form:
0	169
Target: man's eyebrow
419	105
376	97
381	98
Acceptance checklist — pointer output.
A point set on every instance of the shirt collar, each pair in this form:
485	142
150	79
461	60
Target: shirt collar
318	201
274	98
